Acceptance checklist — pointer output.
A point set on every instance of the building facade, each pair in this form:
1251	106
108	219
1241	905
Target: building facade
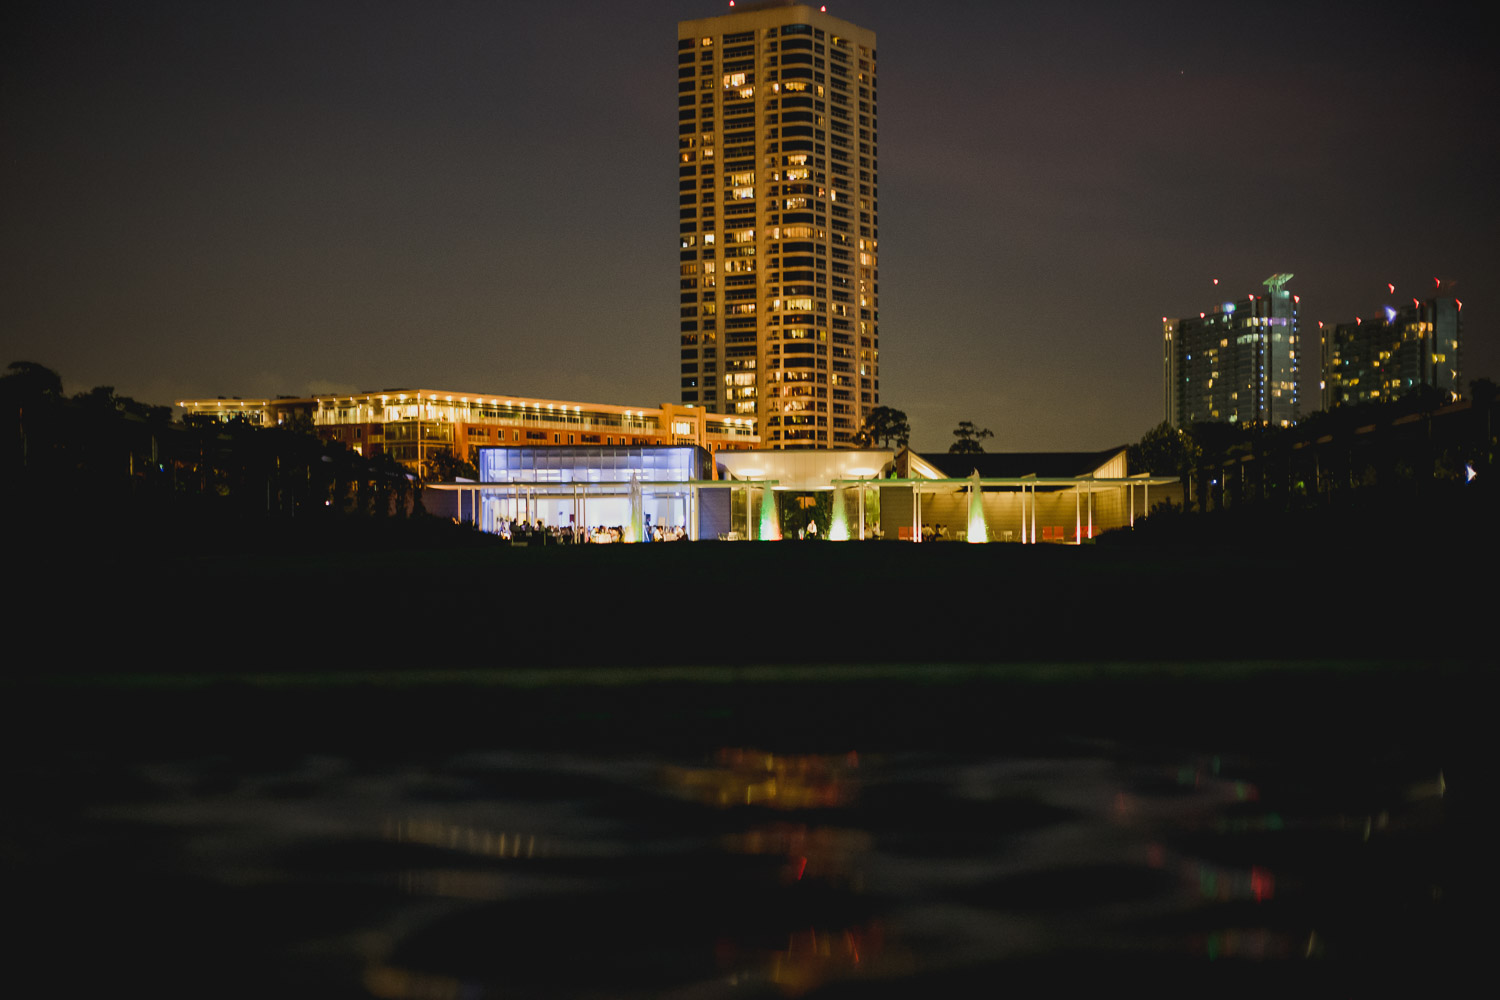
778	215
835	494
1237	363
581	490
1387	356
412	425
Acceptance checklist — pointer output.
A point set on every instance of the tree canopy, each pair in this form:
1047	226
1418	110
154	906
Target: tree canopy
1163	451
444	466
883	424
968	436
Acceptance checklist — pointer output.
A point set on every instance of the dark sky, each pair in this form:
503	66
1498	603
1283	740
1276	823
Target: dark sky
279	197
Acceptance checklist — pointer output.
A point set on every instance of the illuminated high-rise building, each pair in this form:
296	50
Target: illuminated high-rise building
1235	363
778	199
1392	353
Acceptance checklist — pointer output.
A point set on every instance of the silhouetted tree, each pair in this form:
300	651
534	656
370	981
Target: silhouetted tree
1483	392
31	396
1215	441
1165	451
883	424
445	466
969	436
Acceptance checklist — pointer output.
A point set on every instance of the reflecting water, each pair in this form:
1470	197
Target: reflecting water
738	872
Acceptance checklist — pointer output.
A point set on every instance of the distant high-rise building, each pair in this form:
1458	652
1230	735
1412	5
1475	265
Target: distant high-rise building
1236	363
1388	355
778	195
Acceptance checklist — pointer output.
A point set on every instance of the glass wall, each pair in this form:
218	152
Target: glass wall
649	463
575	488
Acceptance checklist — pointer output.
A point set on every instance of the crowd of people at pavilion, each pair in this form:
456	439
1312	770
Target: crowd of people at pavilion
525	532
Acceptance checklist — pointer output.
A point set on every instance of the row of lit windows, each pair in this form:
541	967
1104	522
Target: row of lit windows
791	36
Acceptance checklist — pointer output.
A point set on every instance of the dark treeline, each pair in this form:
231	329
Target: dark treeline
97	458
1421	453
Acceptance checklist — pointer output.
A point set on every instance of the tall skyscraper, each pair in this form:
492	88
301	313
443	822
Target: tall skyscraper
1236	363
1388	355
778	196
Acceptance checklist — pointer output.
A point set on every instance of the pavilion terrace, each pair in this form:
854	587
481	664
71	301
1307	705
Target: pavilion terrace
1017	497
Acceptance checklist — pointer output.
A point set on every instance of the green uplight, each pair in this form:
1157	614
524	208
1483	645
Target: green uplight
839	530
769	530
978	534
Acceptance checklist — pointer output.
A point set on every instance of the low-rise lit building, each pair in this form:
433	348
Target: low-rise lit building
412	425
1024	497
838	494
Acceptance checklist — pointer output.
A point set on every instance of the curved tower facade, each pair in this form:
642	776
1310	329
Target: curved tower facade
778	221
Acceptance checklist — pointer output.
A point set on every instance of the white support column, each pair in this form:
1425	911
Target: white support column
1077	517
861	511
1091	510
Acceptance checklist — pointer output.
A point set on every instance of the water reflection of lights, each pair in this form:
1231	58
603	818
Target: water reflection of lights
827	853
389	983
1225	815
488	866
817	859
1253	943
743	777
813	957
461	837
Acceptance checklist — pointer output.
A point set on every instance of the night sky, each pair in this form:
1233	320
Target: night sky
291	198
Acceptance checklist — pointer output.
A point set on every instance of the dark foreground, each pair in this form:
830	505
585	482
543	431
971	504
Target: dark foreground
832	832
670	772
216	597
